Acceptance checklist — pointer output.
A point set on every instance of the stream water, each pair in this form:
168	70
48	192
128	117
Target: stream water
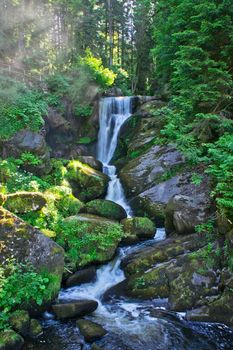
131	324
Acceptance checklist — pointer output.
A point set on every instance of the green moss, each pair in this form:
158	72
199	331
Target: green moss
23	202
88	241
106	209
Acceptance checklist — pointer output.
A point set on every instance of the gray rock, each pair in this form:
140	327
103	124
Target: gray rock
184	213
91	161
74	309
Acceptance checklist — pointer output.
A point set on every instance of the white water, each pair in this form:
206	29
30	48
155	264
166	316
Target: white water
114	111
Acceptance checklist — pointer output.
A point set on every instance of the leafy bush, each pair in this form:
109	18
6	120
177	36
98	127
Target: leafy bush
20	285
221	157
27	111
83	111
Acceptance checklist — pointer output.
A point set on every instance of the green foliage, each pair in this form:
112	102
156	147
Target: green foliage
207	227
27	158
221	156
20	285
85	140
104	77
27	111
196	179
83	111
84	242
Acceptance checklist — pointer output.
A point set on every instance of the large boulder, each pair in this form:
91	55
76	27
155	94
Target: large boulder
89	239
91	161
24	202
184	213
26	244
86	182
75	309
106	208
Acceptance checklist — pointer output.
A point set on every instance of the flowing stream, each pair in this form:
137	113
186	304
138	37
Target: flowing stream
131	324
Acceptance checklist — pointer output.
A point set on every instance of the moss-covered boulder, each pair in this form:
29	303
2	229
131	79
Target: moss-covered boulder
9	340
28	245
106	208
137	228
86	182
24	202
20	322
89	239
90	330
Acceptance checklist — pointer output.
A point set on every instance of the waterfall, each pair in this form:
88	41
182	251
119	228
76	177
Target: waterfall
113	112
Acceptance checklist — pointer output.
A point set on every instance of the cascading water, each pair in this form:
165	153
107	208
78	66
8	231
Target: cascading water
114	111
131	325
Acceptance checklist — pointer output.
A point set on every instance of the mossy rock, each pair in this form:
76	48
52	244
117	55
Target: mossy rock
27	244
90	330
20	322
65	201
89	239
35	329
86	182
9	340
106	208
138	227
24	202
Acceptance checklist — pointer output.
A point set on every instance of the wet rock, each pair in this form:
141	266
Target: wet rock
90	330
91	161
137	229
25	243
184	213
35	329
20	322
106	208
74	309
96	347
82	276
9	340
24	202
86	182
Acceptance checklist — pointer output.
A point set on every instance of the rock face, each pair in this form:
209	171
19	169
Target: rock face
90	330
86	182
74	309
106	208
177	269
24	202
27	244
91	161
